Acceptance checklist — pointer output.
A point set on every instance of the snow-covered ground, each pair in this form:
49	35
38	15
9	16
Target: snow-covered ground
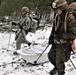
7	42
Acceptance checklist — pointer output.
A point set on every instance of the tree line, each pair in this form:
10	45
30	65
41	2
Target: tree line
13	7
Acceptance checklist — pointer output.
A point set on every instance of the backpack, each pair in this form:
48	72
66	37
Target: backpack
33	25
70	1
72	9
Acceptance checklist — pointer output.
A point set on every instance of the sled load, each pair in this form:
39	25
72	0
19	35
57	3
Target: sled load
36	54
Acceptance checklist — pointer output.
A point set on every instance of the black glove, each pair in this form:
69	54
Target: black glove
29	29
14	23
63	36
21	27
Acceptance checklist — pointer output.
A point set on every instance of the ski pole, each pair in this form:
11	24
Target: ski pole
66	53
41	54
69	58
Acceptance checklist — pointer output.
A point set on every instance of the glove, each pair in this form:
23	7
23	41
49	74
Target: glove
21	27
13	23
65	36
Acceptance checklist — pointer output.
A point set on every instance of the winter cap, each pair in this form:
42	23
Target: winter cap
25	9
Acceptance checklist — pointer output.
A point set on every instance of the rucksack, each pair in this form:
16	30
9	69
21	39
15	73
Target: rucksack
70	1
33	25
72	10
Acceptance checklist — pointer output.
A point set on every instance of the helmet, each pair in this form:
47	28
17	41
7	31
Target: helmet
60	4
72	8
25	9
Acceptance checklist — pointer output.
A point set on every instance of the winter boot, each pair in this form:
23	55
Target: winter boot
53	72
15	53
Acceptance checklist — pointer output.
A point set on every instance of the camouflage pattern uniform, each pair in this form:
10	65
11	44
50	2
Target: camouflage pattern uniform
21	33
64	31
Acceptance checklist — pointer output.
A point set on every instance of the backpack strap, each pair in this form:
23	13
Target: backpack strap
65	22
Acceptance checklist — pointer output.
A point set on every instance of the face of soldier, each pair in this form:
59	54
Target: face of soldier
58	11
23	12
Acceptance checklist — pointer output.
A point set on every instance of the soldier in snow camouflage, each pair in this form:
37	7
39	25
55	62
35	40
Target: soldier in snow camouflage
24	24
63	31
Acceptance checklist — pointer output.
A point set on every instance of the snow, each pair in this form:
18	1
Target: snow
7	42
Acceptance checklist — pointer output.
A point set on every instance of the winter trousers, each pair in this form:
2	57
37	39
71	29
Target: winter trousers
57	56
21	39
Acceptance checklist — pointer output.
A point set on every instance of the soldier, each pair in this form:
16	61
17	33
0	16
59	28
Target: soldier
63	31
24	25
